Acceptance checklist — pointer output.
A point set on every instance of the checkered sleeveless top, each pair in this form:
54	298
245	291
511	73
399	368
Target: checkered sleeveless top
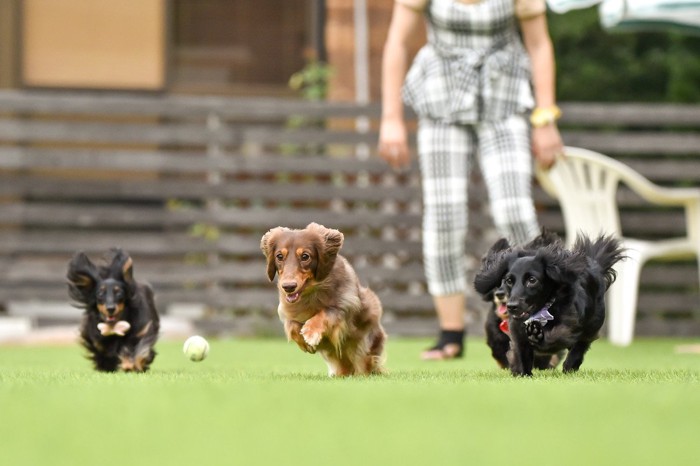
474	66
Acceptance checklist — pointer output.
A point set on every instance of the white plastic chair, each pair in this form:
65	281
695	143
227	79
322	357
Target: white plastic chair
585	184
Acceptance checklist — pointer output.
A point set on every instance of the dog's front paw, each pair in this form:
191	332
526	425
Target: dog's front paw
305	347
293	331
313	329
534	332
311	336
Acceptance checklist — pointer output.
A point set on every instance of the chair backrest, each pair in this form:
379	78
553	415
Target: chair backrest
585	184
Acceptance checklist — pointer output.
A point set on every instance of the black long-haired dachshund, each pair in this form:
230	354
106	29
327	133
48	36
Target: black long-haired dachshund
120	323
496	325
555	297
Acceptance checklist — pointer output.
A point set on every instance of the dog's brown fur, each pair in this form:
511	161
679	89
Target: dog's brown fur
321	302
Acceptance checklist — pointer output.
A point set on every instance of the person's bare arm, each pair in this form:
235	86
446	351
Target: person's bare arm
393	135
546	140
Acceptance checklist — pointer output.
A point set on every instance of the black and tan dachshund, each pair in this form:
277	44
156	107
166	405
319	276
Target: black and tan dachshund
120	323
555	298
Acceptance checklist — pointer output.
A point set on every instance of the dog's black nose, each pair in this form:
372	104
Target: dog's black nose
500	295
512	308
289	287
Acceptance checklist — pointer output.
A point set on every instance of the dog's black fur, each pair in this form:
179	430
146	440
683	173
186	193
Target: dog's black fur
110	296
496	338
575	279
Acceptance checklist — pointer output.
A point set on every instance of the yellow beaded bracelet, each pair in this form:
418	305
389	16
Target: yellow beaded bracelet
543	116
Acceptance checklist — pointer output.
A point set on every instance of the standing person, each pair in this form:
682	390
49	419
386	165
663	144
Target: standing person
483	88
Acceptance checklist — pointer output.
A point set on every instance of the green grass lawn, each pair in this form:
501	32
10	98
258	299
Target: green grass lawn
263	402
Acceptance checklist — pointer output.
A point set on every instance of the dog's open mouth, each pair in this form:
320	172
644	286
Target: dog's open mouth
502	311
519	315
293	297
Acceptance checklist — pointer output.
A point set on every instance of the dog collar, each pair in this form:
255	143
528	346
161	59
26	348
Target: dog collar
543	315
547	305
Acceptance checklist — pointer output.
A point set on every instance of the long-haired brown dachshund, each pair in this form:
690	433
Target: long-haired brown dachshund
321	302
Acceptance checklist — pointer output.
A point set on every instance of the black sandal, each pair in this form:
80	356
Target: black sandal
450	345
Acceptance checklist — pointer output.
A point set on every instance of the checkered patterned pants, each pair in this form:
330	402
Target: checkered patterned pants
447	152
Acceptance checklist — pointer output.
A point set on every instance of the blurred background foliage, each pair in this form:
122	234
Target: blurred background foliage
598	65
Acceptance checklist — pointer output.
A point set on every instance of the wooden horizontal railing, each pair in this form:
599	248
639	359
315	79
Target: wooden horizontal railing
188	185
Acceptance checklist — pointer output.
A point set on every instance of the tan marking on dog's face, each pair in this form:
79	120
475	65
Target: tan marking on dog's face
295	261
105	313
110	296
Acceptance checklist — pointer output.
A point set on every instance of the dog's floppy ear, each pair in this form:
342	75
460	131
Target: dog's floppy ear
267	245
492	271
562	266
493	252
122	265
544	239
331	242
500	245
489	259
82	277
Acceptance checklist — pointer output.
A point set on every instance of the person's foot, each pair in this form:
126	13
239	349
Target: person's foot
449	351
450	345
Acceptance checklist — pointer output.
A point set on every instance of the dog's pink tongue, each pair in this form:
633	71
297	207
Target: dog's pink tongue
502	311
292	297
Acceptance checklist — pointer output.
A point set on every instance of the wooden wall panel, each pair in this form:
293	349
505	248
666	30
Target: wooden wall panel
340	44
94	43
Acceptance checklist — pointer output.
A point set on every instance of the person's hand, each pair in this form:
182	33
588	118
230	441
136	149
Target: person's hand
393	143
547	145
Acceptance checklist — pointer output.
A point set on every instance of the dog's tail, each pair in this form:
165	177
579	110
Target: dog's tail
606	251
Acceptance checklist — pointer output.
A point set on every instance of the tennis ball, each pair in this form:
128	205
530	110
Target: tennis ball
196	348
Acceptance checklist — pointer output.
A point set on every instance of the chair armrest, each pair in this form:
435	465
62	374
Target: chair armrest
545	182
663	195
649	191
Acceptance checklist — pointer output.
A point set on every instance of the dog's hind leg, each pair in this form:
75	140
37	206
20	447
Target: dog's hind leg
374	361
499	343
575	357
548	361
556	359
144	354
340	366
542	362
143	362
126	360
